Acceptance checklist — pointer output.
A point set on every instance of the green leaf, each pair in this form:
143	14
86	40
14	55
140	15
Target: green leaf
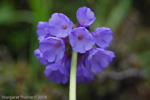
118	13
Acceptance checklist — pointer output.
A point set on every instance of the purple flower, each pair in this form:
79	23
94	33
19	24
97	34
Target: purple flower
83	74
41	30
58	71
52	48
85	16
57	38
99	59
60	25
81	40
39	56
103	37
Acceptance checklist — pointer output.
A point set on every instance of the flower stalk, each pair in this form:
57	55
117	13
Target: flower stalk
72	87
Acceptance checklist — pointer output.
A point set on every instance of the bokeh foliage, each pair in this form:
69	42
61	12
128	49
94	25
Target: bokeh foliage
127	78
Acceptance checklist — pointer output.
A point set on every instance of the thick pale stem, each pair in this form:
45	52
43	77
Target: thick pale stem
72	88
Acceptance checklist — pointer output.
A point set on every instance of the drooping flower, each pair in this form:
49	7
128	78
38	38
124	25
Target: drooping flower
85	16
83	74
60	25
81	40
103	36
55	75
99	59
53	49
41	30
58	71
39	56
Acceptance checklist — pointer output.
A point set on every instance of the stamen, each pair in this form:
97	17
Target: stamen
80	37
64	26
58	43
82	21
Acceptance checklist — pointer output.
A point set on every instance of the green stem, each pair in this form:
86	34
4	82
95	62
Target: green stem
72	88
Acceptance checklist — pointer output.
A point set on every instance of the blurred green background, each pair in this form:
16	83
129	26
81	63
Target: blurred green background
128	76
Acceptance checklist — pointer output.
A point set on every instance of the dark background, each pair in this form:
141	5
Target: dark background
127	77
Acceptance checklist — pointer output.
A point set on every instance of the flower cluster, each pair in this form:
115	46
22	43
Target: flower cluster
58	37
